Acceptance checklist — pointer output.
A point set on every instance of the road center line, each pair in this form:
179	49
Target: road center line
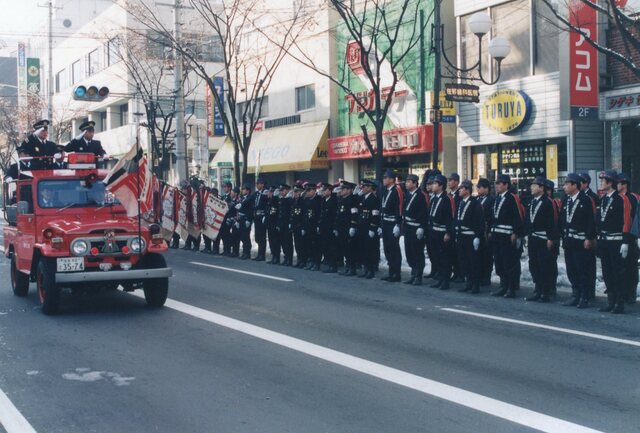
548	327
488	405
270	277
11	419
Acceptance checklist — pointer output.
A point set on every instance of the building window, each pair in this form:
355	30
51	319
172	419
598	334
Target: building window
305	97
547	35
159	45
94	62
263	111
61	81
196	108
76	72
511	21
205	49
124	114
113	49
102	121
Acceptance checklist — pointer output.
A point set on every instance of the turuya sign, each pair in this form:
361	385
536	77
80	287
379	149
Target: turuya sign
506	111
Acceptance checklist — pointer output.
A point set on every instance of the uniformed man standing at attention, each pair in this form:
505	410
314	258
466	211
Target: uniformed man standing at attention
470	229
507	230
368	224
311	215
392	202
38	146
614	238
283	226
245	214
453	184
415	226
441	229
272	225
486	249
326	225
543	234
259	219
590	264
550	187
296	224
345	228
630	277
85	142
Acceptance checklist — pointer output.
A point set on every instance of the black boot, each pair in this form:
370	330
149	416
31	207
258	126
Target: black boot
536	297
619	307
418	280
445	284
437	284
466	288
573	302
413	277
395	278
584	303
511	293
500	292
476	289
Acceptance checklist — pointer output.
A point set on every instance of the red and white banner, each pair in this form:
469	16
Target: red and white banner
169	214
583	60
182	222
401	141
214	211
131	180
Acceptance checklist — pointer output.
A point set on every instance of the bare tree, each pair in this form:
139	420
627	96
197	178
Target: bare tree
149	64
14	122
622	21
248	60
382	33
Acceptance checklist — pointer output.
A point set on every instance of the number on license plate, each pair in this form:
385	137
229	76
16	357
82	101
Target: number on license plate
70	264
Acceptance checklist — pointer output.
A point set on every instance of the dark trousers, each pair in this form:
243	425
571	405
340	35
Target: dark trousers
486	261
455	262
430	255
225	237
328	245
631	275
442	254
541	261
175	240
245	239
414	251
286	242
233	241
260	236
207	243
392	252
298	240
507	261
577	258
613	269
369	250
312	251
469	260
274	241
348	247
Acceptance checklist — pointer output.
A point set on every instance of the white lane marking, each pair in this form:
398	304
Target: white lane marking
11	419
548	327
286	280
488	405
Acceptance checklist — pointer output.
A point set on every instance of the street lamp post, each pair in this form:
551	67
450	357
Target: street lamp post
499	49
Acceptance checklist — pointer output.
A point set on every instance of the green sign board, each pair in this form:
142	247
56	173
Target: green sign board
33	75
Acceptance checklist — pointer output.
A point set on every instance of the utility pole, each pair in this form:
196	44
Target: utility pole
423	114
50	86
436	45
181	145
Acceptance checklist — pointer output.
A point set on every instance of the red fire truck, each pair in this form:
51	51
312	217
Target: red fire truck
66	230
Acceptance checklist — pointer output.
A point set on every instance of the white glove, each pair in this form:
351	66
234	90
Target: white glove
420	233
638	243
318	230
352	232
335	233
518	243
289	226
396	231
476	244
238	206
237	225
379	231
372	234
105	157
247	224
624	250
303	232
264	219
57	156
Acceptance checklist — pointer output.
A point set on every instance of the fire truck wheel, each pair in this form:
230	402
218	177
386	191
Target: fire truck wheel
155	289
19	281
48	291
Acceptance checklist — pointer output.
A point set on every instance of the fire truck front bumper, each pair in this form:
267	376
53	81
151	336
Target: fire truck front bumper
133	274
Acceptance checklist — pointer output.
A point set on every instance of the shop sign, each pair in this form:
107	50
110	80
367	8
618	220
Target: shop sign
403	141
447	109
583	60
622	102
215	122
361	101
33	76
506	110
458	92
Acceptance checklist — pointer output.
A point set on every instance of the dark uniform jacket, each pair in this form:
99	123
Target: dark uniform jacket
272	211
259	205
415	209
470	218
245	213
347	214
507	217
441	213
297	213
284	213
577	221
231	216
328	215
487	202
81	145
392	202
542	219
614	218
311	211
369	213
34	147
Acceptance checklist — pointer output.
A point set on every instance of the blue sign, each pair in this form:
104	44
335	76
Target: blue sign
218	123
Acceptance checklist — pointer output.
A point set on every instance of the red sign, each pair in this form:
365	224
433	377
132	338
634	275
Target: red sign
583	60
368	100
354	57
402	141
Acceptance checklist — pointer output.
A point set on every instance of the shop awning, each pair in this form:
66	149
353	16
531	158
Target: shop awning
291	148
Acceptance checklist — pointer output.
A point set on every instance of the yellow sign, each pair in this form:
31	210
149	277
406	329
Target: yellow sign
494	161
448	108
552	161
506	110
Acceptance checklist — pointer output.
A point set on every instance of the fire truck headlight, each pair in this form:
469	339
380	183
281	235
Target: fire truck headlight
137	245
79	247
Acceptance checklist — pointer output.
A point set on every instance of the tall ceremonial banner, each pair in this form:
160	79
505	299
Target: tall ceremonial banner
182	222
214	211
194	226
169	214
131	180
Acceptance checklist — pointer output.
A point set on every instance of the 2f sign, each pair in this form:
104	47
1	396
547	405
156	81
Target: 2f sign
583	60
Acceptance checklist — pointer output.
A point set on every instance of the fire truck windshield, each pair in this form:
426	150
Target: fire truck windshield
58	194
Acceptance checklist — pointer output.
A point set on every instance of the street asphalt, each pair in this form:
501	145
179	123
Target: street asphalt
107	363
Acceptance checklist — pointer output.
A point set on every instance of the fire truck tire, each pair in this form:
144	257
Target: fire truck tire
48	291
19	281
155	289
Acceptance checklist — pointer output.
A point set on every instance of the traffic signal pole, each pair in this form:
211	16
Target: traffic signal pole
181	145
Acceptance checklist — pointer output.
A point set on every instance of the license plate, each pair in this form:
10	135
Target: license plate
70	264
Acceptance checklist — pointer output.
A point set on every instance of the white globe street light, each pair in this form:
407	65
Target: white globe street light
480	23
499	48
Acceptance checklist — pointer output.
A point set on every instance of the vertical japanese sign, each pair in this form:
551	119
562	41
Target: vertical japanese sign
215	123
33	76
583	61
22	71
